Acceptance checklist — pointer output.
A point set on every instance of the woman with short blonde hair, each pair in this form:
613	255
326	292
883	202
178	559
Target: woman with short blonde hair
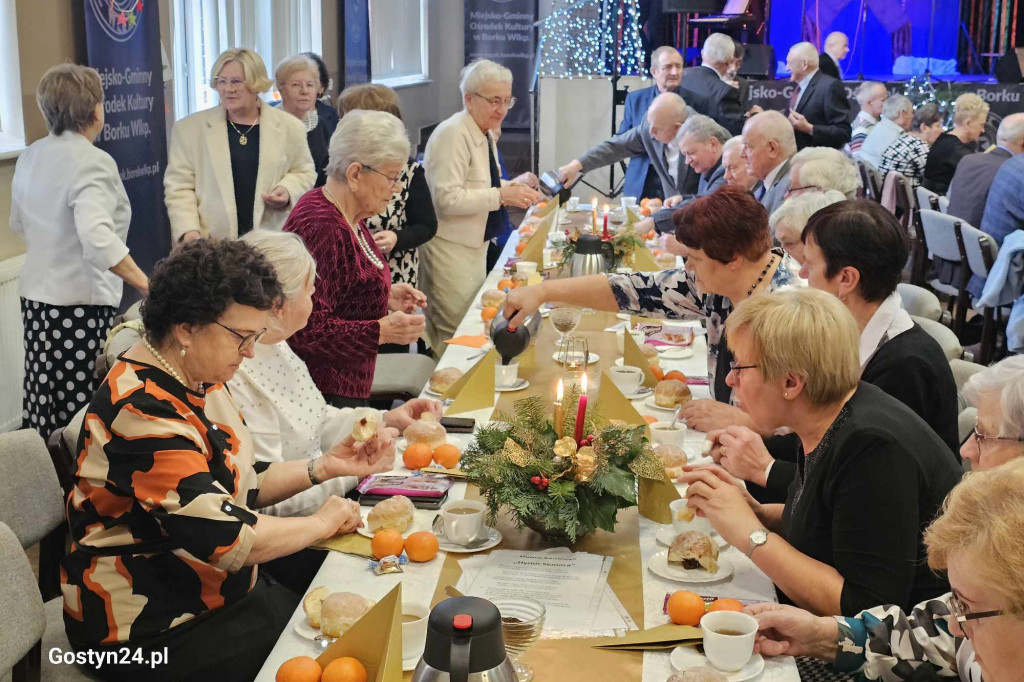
70	207
298	81
871	473
237	166
969	119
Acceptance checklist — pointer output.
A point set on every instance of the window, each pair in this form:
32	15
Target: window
12	124
275	29
398	42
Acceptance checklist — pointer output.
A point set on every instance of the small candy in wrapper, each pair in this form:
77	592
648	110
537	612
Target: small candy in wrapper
389	564
706	450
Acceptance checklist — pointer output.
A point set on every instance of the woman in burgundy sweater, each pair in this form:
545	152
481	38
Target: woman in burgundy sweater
355	307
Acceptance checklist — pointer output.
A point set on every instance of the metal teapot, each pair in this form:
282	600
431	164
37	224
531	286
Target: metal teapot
590	257
464	644
511	343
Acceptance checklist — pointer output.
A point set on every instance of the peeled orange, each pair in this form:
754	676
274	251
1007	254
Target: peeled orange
725	604
299	669
386	542
685	608
344	669
488	313
416	456
447	455
421	546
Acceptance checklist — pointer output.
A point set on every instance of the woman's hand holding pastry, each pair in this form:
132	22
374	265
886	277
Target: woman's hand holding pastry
711	415
338	516
742	453
719	497
348	457
411	411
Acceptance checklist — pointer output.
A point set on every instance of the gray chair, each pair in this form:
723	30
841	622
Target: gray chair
919	301
941	235
28	627
944	204
926	198
946	339
32	502
980	252
400	376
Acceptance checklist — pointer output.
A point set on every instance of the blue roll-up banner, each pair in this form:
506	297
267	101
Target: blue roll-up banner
123	43
502	31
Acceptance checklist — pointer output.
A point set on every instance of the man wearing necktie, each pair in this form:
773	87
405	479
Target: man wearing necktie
818	109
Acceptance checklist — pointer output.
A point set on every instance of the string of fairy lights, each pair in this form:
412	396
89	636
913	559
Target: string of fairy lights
579	39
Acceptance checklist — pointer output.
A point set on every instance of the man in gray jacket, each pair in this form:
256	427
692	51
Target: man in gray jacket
768	146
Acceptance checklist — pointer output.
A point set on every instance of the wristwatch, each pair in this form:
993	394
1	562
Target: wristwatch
757	538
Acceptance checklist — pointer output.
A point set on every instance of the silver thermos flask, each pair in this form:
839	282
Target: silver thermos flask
589	257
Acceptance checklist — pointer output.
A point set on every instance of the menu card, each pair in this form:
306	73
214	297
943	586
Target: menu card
570	586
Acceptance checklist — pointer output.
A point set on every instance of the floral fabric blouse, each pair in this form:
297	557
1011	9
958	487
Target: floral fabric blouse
673	294
885	643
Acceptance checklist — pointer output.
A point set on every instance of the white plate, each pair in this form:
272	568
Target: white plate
660	566
435	394
418	523
305	630
674	352
684	657
518	386
641	394
594	357
667	534
493	538
655	406
564	221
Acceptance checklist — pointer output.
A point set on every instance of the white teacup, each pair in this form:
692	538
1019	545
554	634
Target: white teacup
526	267
463	520
574	203
628	201
620	338
414	632
506	375
664	432
699	524
728	639
626	379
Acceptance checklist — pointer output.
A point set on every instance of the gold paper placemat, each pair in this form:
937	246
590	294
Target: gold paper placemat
475	389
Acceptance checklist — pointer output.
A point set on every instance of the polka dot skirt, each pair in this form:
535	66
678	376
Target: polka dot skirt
61	345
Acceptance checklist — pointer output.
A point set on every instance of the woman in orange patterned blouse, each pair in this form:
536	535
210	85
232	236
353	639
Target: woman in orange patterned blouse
164	514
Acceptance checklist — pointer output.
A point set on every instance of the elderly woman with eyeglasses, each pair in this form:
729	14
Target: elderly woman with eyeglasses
356	308
461	162
298	81
166	512
240	165
978	627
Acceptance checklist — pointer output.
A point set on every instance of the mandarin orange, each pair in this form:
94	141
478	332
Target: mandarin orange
421	546
447	455
506	283
725	604
658	372
344	669
416	456
685	608
675	374
386	542
488	313
299	669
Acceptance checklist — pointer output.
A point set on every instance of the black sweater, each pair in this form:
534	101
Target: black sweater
943	158
863	497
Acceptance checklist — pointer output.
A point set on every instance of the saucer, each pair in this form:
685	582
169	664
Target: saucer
667	534
684	657
594	357
655	406
674	352
435	394
493	538
305	630
659	566
641	393
518	386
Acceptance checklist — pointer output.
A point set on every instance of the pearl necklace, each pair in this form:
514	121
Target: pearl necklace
360	239
160	358
750	291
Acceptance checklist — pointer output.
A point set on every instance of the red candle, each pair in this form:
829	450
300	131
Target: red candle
581	411
604	235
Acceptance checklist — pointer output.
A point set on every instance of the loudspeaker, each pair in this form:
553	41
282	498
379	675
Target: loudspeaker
693	6
758	62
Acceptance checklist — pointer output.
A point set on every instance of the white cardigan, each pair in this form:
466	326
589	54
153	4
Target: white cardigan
68	203
459	175
288	419
198	187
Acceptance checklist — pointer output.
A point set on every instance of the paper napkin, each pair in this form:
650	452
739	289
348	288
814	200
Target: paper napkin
475	390
478	341
633	357
534	250
654	639
375	640
349	543
551	206
643	261
655	496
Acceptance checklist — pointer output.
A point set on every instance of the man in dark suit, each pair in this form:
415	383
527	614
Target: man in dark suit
969	188
837	46
703	88
666	68
818	108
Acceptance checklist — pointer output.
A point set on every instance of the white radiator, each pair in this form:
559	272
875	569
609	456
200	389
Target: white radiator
12	349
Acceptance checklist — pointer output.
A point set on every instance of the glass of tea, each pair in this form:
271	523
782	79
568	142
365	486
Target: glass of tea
522	621
565	320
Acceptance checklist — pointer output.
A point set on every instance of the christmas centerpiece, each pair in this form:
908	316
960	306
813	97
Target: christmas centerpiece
619	247
562	486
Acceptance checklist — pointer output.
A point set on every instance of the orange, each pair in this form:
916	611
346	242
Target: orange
725	605
651	420
505	284
542	204
385	542
645	211
520	247
416	456
644	202
344	669
299	669
685	608
447	456
421	546
488	313
650	235
675	374
657	371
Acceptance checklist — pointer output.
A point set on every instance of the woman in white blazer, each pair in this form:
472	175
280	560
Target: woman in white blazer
68	203
468	192
240	165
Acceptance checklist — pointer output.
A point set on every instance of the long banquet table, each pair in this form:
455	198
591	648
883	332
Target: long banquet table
631	545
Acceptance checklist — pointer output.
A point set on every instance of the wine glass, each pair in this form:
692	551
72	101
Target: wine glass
522	621
565	321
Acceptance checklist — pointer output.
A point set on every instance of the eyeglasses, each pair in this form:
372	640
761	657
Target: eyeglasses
300	86
794	190
980	437
497	102
963	614
247	340
733	367
228	83
392	180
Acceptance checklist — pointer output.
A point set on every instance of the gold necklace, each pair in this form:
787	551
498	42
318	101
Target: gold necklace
242	139
160	358
360	239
